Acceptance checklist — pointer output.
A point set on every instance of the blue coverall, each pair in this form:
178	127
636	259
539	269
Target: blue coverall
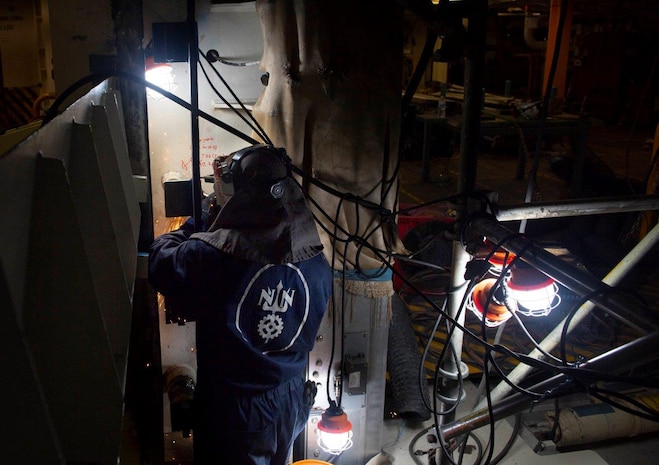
255	324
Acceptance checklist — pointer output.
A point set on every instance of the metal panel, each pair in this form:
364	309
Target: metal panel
112	154
65	295
105	247
366	328
65	328
25	416
112	103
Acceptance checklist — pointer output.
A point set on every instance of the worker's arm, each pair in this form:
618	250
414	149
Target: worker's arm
176	267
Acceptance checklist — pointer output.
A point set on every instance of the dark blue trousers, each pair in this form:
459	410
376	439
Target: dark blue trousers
235	428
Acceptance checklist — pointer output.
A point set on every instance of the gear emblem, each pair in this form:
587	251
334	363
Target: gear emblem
270	326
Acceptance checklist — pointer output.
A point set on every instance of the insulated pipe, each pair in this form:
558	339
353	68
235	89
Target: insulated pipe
590	423
575	279
624	358
581	207
554	337
409	390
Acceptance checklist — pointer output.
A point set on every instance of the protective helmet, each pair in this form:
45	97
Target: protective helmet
257	167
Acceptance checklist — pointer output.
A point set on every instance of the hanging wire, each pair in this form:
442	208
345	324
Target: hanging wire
215	56
254	127
422	372
260	130
573	311
334	313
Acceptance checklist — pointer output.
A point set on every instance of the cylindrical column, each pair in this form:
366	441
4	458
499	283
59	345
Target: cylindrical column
469	141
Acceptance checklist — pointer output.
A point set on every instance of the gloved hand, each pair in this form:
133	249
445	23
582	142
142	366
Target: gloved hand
209	211
219	166
310	390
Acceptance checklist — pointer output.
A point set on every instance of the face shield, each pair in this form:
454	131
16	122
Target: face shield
265	217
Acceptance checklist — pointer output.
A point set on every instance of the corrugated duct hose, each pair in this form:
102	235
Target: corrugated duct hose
403	363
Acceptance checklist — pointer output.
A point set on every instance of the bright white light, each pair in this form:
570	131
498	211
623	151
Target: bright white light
160	75
535	299
334	430
334	443
535	293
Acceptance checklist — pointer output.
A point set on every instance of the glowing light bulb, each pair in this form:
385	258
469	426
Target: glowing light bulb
159	74
334	430
532	290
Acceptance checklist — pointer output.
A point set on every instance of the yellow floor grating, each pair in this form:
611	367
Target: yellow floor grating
593	336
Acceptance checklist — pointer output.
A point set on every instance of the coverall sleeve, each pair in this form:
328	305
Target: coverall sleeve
176	265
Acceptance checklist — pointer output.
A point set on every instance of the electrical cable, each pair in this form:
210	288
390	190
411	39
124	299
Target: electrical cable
334	312
216	57
537	363
260	131
410	447
97	78
240	115
463	447
490	411
426	349
343	321
532	339
504	377
645	412
481	385
440	360
509	444
404	258
575	308
489	359
507	265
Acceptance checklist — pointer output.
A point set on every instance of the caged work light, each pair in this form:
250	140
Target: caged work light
334	430
521	289
535	293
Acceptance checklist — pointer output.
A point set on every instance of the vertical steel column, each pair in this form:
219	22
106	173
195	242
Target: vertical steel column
193	58
473	97
471	113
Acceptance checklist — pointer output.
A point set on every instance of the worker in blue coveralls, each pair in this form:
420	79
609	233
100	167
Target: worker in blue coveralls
257	285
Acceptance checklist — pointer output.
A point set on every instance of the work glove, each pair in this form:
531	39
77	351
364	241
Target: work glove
209	211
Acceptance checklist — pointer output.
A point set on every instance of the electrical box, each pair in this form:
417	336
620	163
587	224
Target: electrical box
170	42
178	197
355	368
